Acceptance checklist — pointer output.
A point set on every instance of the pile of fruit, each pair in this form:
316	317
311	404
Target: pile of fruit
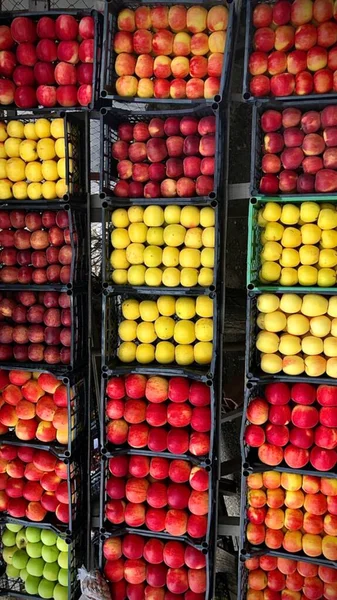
295	48
299	244
165	158
35	326
293	513
161	51
163	246
167	330
34	407
298	334
299	151
37	557
33	483
32	159
150	568
297	424
271	576
158	493
35	247
38	58
159	414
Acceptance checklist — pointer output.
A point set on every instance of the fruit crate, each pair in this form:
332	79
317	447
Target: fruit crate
248	550
250	458
77	241
74	386
204	543
77	302
254	245
204	460
109	76
14	587
112	118
249	6
252	359
7	17
209	556
257	141
109	205
74	474
112	317
76	128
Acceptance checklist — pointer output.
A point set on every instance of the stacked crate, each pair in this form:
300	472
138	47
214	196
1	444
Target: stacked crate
161	391
288	436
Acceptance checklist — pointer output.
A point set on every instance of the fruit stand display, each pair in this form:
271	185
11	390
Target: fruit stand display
288	434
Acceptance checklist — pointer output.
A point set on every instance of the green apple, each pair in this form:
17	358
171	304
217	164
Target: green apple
33	534
46	588
20	559
14	528
34	550
50	553
12	571
23	574
62	545
21	539
35	567
63	560
48	537
32	585
8	553
60	592
8	538
51	571
63	577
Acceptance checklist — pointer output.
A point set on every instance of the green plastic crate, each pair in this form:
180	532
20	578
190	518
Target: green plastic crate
254	244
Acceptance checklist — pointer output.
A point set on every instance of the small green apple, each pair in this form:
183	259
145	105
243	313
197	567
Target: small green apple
12	571
46	588
48	537
21	539
35	567
63	560
33	534
51	571
8	553
34	550
63	577
14	528
20	559
50	553
62	545
60	592
32	585
23	574
8	538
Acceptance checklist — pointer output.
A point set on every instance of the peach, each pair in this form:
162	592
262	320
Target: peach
323	460
306	569
330	524
143	17
301	438
264	39
271	479
327	34
142	42
199	44
7	92
255	534
328	416
258	62
260	86
276	498
327	575
162	42
323	81
126	85
294	499
177	581
195	88
312	544
285	565
274	518
328	486
291	117
276	580
161	67
257	411
135	571
292	541
312	523
274	538
329	547
180	67
332	59
124	65
256	515
284	38
138	435
282	84
197	580
293	519
317	58
114	569
262	15
304	416
270	454
123	42
155	519
156	575
159	17
16	507
14	488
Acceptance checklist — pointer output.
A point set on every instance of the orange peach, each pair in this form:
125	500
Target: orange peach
177	18
143	17
271	479
294	582
217	18
162	43
293	519
291	481
268	563
257	498
178	88
312	544
125	64
312	523
329	547
255	534
315	504
217	41
126	20
332	504
252	563
161	88
270	455
274	518
311	484
257	580
182	44
284	38
317	58
199	44
195	88
254	481
198	66
301	12
145	88
126	86
285	565
330	524
328	486
292	541
162	67
144	66
196	19
275	498
307	569
294	499
180	67
274	538
159	17
215	62
327	575
276	580
142	41
330	591
212	87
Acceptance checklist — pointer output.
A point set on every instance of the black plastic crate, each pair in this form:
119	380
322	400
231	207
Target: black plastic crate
205	543
109	76
252	359
15	587
76	132
7	17
78	305
209	554
112	118
204	461
109	205
112	317
251	461
248	550
77	229
259	108
249	34
76	494
76	390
